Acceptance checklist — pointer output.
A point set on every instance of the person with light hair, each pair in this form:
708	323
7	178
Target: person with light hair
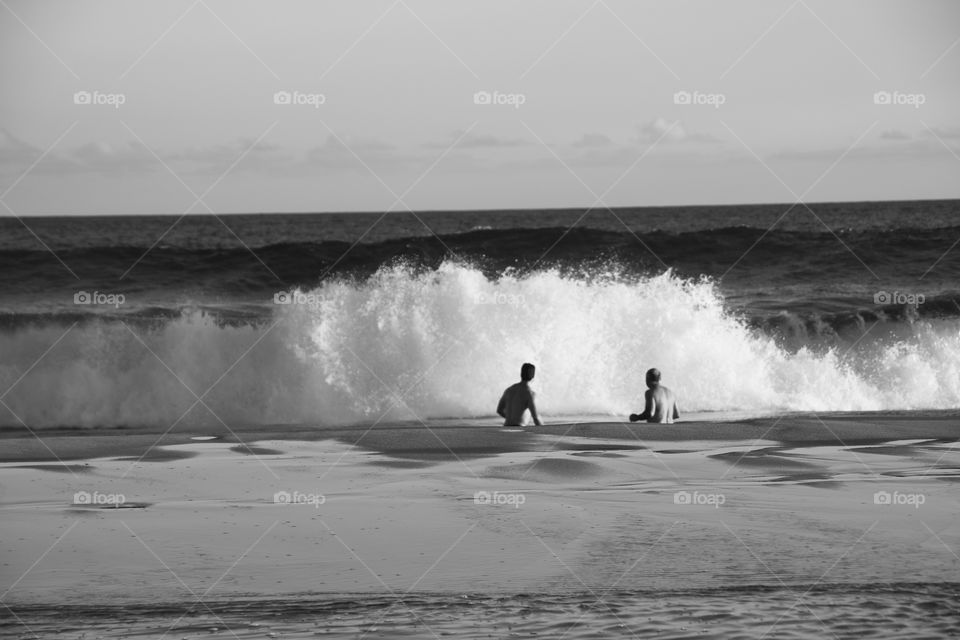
661	405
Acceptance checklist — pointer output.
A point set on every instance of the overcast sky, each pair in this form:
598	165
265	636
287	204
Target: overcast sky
586	104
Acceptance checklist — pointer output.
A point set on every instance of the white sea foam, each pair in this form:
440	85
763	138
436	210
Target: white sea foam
405	345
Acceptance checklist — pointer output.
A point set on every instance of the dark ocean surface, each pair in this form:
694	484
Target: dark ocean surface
844	306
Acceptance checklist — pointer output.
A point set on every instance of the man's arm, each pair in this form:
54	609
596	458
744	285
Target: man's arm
647	409
648	406
502	406
533	411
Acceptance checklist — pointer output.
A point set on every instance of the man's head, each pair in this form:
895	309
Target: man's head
653	377
527	372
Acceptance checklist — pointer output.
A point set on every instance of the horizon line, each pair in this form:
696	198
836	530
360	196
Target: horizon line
481	210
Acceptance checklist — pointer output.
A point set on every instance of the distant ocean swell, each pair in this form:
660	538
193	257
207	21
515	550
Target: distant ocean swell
409	342
778	256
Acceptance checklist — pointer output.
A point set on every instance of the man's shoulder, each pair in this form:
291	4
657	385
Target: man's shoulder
522	388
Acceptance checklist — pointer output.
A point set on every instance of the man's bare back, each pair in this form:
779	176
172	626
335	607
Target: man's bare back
661	405
517	399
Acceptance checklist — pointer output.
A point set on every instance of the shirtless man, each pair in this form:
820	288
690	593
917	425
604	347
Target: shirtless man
518	398
661	405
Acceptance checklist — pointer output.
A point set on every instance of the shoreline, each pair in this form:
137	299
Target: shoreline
478	436
923	610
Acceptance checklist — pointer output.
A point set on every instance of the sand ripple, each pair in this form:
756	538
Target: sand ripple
838	611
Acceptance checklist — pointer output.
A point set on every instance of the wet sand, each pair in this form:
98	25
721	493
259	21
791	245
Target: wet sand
468	437
782	503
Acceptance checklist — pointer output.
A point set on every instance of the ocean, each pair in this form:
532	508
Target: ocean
323	318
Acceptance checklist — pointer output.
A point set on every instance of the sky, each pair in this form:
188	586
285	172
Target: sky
232	106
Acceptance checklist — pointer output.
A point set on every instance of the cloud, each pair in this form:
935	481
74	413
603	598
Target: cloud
909	148
593	140
95	155
895	134
943	134
101	156
489	141
240	155
477	141
269	158
349	153
224	154
662	130
14	150
132	156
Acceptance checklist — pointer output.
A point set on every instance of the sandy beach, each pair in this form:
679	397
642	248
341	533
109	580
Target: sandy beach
796	502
